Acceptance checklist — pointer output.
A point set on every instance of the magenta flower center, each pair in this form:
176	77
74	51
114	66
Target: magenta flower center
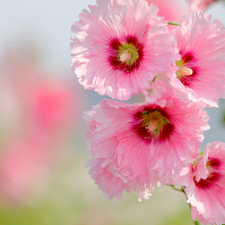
126	55
214	175
186	71
153	124
183	70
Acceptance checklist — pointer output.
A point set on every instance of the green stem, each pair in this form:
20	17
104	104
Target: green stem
196	222
182	190
173	23
176	189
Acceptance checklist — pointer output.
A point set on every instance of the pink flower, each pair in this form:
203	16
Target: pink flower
196	5
145	143
168	11
199	72
205	185
120	47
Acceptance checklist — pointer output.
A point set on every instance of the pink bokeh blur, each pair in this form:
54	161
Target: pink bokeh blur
39	112
168	9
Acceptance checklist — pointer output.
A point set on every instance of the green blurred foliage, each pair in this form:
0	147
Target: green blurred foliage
72	198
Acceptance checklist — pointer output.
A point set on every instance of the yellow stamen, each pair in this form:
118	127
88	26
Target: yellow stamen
153	121
128	54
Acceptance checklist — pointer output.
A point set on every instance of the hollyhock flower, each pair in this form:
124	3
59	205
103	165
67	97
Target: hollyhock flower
199	71
120	47
144	144
196	5
205	185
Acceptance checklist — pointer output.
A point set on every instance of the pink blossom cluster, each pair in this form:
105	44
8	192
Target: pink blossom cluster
122	47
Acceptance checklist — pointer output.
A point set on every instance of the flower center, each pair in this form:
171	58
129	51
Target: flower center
183	70
152	125
125	56
153	121
213	176
128	54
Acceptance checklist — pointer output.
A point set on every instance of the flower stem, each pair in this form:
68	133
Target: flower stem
177	189
173	23
182	190
196	222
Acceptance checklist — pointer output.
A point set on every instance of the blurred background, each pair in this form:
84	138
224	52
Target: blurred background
42	145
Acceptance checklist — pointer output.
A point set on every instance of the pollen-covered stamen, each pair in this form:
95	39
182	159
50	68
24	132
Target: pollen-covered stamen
152	125
125	56
185	71
153	121
128	54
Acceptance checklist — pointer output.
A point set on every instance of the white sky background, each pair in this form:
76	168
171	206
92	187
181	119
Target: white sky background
48	23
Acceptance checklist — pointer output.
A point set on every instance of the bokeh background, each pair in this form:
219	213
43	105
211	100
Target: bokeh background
43	179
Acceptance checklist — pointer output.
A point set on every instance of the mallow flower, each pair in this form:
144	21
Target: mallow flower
199	70
205	185
120	46
142	145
